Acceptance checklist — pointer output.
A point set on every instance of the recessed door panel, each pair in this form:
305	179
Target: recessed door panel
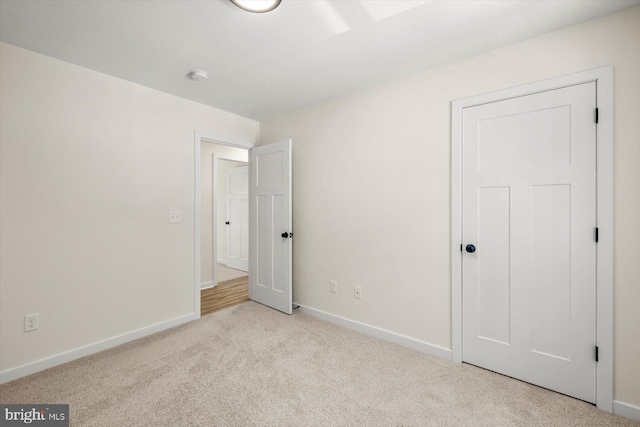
278	244
526	139
235	235
494	322
239	182
550	291
265	230
244	251
269	168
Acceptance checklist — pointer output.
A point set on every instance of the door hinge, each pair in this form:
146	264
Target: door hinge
595	235
597	118
597	353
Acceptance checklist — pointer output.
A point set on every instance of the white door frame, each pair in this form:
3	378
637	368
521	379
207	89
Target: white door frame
603	77
199	137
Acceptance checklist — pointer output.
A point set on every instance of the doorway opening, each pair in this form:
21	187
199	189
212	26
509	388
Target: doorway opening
268	253
224	237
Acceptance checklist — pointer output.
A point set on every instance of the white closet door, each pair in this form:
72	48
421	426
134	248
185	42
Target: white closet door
529	209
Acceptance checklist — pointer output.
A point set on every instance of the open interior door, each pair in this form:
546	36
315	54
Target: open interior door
270	261
238	218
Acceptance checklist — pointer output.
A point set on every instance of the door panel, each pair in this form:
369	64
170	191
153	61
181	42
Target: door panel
270	280
493	269
264	228
526	139
244	242
551	260
529	206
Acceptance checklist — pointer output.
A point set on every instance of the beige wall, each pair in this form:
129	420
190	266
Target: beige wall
372	183
206	246
91	165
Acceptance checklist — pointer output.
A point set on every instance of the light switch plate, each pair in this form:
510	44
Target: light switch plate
333	286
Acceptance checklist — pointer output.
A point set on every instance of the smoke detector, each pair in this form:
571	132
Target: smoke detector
199	75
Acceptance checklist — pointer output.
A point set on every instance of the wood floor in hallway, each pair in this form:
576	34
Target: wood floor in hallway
226	294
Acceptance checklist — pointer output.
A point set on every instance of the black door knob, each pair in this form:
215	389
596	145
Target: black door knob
227	222
285	235
470	248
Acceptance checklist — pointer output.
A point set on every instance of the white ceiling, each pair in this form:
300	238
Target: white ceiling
304	52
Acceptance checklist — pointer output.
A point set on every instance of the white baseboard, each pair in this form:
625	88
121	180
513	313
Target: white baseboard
383	334
222	261
626	410
68	356
207	285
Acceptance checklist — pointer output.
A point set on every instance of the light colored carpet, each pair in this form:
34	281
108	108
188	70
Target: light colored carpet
250	365
225	273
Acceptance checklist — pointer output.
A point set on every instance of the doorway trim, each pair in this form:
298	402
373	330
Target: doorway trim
198	138
603	77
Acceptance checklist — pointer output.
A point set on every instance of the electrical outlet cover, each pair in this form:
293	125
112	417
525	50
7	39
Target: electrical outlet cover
31	322
175	217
